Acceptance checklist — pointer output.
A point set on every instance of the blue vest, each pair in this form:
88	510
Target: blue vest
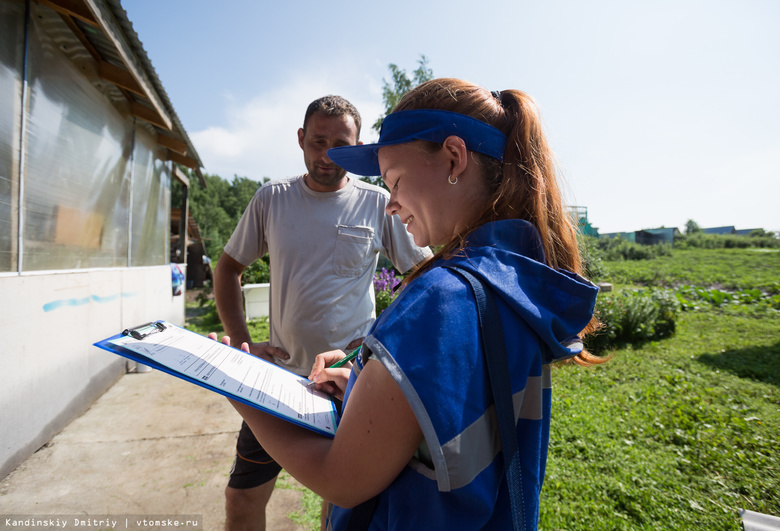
429	341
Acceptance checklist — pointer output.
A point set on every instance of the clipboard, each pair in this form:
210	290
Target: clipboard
228	371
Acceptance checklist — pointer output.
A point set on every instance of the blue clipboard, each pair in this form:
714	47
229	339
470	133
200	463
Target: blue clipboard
228	371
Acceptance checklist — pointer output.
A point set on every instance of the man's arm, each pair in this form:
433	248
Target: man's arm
229	299
227	293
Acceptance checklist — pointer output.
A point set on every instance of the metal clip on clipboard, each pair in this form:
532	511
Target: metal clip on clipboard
140	332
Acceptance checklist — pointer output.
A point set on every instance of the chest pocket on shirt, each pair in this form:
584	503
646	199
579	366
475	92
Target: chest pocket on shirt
353	250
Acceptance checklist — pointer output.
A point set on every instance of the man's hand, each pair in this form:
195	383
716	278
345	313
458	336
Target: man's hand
355	343
261	350
267	352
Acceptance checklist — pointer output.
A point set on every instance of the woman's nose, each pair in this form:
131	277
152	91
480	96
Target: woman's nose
392	206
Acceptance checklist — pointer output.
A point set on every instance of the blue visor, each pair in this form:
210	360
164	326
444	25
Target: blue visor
425	124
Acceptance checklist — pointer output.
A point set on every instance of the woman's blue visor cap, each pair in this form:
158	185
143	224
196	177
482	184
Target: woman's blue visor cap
426	124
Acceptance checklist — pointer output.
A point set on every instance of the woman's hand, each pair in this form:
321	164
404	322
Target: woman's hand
330	381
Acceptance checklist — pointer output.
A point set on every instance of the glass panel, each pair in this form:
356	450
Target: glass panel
11	58
76	192
151	202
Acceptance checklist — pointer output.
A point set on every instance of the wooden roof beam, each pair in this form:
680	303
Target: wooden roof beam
72	8
119	77
172	143
148	114
183	160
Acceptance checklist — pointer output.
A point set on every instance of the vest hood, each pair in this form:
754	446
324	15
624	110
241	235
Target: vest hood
557	304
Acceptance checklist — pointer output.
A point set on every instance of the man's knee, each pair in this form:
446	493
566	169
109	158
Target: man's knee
248	501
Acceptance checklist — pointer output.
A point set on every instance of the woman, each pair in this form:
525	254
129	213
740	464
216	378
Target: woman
468	170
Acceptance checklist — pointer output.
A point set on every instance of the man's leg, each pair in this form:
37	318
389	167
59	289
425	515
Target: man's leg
251	484
245	508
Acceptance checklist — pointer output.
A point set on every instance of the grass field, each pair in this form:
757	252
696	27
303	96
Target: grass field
731	269
676	434
679	433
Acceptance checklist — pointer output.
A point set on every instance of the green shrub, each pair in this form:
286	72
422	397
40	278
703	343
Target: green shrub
592	257
259	272
618	249
756	239
634	316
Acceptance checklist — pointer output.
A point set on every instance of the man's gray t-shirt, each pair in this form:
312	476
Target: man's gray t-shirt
324	249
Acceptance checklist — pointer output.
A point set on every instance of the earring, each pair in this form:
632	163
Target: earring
449	180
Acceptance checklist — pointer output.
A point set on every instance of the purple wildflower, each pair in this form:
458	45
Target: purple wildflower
384	283
385	280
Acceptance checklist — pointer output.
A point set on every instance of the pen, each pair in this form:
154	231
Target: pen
343	361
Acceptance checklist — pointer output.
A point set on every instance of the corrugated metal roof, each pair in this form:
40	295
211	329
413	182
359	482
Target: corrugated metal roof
99	31
719	230
138	48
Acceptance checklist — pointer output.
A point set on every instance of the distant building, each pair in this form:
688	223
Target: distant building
647	236
198	262
720	230
662	235
747	232
579	216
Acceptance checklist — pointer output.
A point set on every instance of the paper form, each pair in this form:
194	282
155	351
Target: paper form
231	372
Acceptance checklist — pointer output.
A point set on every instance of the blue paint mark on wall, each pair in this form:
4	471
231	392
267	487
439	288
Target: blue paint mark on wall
54	305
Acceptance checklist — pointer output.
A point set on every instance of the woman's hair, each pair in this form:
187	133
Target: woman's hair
523	186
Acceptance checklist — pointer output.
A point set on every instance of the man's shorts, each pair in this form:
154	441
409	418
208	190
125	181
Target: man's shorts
253	466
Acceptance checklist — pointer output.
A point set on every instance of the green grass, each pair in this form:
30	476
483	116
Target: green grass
731	269
204	320
677	434
311	504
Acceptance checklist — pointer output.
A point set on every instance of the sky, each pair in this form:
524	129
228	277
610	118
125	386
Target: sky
658	111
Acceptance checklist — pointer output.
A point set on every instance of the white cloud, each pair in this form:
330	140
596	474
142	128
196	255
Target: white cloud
259	138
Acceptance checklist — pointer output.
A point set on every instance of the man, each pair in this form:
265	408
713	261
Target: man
323	232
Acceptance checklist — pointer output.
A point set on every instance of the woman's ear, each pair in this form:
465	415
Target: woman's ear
455	149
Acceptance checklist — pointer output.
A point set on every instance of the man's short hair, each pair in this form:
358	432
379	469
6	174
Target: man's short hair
333	106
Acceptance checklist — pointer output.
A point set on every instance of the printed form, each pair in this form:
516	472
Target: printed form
233	373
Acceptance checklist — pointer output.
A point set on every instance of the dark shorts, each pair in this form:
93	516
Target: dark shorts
253	466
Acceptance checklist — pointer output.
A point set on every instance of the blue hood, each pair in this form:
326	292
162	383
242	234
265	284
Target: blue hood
557	304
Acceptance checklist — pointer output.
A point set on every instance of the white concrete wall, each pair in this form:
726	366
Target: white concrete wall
51	372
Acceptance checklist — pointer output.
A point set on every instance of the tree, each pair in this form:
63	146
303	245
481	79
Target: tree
392	94
691	227
218	207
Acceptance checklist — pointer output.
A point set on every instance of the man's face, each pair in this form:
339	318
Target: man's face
322	133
